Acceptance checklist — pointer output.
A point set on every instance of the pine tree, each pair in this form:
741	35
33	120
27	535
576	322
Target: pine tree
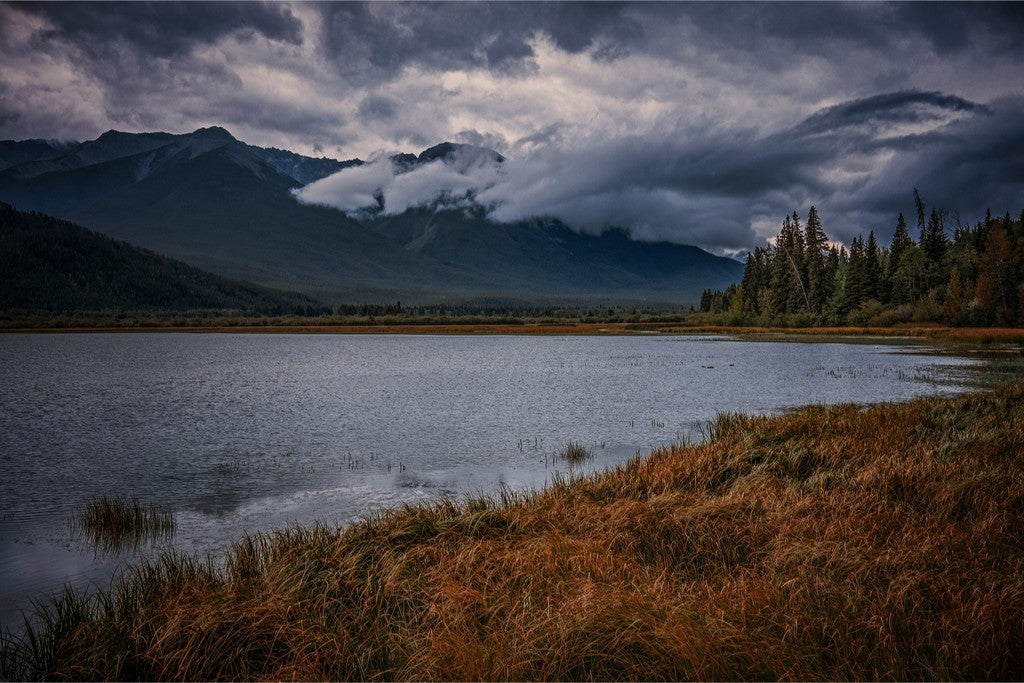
839	266
935	244
872	269
836	257
788	292
756	281
815	246
854	286
901	241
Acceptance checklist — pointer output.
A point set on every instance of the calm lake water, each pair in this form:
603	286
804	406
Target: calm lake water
245	432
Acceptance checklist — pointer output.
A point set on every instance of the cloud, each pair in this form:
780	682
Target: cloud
387	188
712	189
696	122
905	107
162	29
375	41
378	107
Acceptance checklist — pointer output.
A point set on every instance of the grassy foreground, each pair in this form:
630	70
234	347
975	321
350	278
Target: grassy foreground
830	543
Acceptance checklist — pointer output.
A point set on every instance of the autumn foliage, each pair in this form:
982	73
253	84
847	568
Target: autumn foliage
829	543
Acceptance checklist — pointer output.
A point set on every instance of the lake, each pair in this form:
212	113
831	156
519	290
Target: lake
245	432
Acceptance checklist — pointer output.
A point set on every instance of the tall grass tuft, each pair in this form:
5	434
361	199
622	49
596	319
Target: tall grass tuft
576	453
113	523
827	543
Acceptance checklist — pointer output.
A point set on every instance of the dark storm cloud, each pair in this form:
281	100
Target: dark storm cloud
378	39
696	122
999	24
162	29
706	189
378	107
886	109
974	165
370	41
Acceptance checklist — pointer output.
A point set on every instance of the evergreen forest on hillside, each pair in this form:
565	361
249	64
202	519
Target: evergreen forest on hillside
974	279
49	265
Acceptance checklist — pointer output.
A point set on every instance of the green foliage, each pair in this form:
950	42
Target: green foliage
974	279
820	274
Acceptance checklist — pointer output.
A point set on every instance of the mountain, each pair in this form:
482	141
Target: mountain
303	170
14	152
222	205
47	264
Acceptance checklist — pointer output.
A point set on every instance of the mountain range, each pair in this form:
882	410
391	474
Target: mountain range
222	205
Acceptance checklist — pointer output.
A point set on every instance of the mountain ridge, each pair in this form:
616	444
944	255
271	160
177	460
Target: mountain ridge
228	207
51	265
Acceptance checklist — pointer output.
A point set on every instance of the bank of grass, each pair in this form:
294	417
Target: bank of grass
112	522
496	325
827	543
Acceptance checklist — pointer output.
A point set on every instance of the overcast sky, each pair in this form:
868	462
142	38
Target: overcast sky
700	123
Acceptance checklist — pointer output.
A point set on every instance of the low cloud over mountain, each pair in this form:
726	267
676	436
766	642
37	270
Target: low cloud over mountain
860	156
693	122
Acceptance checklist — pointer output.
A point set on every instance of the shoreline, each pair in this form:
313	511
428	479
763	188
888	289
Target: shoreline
842	542
964	335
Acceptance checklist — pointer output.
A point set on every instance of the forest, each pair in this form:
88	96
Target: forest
50	266
974	278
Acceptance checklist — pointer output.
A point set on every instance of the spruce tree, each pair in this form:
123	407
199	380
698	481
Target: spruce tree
788	291
901	239
854	286
935	244
815	246
756	281
872	269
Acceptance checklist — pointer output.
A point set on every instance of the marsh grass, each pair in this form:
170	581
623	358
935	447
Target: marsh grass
829	543
576	453
115	523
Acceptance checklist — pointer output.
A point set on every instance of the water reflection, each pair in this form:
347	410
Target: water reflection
238	433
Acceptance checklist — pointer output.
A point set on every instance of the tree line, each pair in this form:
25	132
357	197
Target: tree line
974	277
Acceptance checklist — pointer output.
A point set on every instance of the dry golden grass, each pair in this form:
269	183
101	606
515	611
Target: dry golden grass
931	332
830	543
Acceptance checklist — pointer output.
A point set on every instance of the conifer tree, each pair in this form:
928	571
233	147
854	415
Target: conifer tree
854	286
836	256
756	280
872	269
788	291
935	244
815	246
901	239
901	242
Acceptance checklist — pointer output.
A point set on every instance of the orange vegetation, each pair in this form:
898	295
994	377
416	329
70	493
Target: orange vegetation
527	327
829	543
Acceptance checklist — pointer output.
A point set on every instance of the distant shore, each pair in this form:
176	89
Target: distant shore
471	325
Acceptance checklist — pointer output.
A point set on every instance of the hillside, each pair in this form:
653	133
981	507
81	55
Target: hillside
228	207
829	543
50	265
